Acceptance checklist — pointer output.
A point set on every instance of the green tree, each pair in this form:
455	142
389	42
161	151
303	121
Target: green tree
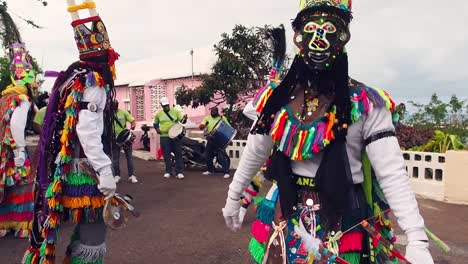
243	63
242	67
450	118
433	114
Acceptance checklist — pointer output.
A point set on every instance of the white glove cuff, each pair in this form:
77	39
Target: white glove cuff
105	172
416	235
18	151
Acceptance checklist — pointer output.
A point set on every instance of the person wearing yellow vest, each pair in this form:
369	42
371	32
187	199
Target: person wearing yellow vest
163	121
208	124
122	117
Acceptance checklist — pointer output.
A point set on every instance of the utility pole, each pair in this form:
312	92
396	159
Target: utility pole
191	54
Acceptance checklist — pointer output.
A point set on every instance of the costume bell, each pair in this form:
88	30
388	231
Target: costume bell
336	165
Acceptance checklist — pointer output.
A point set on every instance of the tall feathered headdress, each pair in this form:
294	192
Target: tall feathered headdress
92	42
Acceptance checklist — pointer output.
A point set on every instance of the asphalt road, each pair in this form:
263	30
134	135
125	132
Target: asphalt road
181	223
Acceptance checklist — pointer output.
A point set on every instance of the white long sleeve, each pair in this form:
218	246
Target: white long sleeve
387	161
90	128
256	152
19	119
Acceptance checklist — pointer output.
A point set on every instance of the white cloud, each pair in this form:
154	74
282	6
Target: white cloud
413	48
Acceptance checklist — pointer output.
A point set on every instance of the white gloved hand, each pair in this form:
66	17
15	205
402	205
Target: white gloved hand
231	214
107	185
242	213
20	157
417	252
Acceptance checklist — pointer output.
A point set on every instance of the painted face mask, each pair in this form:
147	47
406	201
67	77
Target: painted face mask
322	39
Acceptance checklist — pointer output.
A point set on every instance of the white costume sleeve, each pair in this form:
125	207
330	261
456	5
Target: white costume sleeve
90	128
250	111
256	152
18	124
387	161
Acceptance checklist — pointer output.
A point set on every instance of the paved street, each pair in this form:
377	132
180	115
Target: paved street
181	223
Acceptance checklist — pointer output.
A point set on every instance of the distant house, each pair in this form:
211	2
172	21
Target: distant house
142	99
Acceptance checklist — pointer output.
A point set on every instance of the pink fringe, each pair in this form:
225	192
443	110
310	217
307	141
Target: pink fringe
260	231
16	217
351	242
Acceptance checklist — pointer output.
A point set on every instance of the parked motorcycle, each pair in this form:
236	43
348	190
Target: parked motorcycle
193	154
145	140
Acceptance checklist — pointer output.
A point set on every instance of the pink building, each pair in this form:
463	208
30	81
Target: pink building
142	100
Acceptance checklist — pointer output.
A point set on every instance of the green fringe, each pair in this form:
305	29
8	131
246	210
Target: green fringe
351	257
266	211
28	258
257	250
78	179
258	200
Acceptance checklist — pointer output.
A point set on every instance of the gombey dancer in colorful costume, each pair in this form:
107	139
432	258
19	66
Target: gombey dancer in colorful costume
16	192
79	112
336	160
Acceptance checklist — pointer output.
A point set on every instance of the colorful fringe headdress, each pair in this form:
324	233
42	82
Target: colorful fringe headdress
21	67
340	8
345	5
93	43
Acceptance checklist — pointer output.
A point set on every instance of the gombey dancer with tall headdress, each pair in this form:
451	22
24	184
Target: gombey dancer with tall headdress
336	161
16	191
74	180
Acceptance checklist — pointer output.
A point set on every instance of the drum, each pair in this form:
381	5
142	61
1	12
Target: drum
222	134
177	131
125	139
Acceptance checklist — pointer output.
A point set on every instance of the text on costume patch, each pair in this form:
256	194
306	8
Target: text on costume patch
305	181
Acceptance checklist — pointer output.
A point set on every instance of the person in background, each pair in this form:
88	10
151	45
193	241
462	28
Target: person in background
208	124
122	117
16	183
163	121
38	119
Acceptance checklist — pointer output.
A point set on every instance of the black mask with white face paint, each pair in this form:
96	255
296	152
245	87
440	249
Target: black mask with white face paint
321	38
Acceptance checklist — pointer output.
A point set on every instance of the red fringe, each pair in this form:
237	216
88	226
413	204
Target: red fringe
260	231
351	242
19	199
17	217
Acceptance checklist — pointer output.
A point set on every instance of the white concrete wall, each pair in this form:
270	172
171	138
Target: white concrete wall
427	173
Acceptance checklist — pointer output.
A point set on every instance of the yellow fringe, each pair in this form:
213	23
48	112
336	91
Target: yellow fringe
83	202
16	225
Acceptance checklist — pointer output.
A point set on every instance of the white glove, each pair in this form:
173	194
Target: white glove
231	214
107	185
20	157
417	252
242	213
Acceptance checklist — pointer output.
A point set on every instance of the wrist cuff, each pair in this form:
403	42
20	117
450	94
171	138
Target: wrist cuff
106	171
416	235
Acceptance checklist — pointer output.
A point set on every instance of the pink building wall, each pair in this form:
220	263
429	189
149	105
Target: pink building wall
152	92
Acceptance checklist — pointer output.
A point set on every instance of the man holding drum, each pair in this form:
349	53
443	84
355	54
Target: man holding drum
164	120
209	123
122	117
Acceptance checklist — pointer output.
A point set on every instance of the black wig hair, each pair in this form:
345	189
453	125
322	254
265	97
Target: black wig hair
333	81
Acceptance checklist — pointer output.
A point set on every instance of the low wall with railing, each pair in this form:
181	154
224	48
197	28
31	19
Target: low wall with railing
427	173
438	176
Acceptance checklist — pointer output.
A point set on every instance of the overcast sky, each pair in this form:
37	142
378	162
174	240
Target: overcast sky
412	48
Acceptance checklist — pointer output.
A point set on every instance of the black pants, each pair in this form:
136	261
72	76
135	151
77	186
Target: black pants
172	146
210	152
116	159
